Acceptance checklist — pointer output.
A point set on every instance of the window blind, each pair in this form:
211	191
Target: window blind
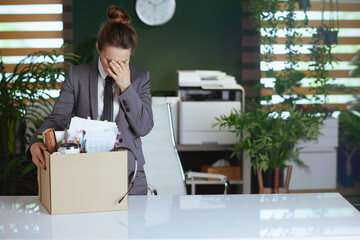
344	51
27	26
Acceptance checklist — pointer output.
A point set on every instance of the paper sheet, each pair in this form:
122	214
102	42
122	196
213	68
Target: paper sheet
100	135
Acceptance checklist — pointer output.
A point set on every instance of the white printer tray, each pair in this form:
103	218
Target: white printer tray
196	119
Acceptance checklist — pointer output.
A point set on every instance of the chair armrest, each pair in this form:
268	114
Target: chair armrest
152	189
192	174
221	177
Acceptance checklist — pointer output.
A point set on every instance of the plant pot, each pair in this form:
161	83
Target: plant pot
269	178
273	181
304	4
330	37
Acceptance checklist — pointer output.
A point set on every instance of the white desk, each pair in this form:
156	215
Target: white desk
284	216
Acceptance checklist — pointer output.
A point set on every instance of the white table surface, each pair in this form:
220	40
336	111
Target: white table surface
282	216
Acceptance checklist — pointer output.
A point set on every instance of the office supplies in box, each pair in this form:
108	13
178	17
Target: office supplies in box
85	182
100	135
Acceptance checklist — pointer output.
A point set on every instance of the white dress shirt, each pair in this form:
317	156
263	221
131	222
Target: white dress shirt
101	85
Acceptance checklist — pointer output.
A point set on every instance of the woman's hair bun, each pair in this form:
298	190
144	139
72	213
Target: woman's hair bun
117	15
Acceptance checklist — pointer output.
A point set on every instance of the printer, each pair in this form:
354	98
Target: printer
205	96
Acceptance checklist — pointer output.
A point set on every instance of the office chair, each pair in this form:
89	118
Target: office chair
164	172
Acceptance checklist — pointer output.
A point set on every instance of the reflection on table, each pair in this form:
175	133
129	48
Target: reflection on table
282	216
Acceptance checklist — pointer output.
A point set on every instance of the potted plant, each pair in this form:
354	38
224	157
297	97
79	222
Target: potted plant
270	135
329	31
271	17
272	141
23	94
304	4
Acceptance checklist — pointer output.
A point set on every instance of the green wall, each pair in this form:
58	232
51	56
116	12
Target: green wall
203	34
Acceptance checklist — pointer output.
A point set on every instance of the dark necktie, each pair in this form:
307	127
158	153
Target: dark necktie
108	99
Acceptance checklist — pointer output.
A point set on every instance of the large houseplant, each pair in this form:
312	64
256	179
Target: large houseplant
23	94
270	136
272	132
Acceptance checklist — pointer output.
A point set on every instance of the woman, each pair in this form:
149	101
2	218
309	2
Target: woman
86	90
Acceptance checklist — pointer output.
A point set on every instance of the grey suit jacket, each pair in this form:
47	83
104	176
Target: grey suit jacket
78	96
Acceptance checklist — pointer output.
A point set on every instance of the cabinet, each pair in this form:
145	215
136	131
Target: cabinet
321	158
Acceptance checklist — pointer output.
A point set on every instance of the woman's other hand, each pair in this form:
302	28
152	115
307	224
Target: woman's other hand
37	154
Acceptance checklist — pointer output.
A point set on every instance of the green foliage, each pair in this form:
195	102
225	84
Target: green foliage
321	58
270	136
349	130
23	95
356	62
349	136
265	15
269	140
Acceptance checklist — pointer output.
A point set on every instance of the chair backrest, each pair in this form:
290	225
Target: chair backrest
162	163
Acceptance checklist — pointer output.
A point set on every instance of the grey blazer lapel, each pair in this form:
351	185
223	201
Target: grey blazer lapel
93	91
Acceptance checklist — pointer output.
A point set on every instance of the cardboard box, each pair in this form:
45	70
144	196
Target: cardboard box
85	182
232	172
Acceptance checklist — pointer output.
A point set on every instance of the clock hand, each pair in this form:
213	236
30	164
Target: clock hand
151	3
160	3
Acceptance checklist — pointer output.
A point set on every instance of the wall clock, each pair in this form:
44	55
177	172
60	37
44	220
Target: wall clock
155	12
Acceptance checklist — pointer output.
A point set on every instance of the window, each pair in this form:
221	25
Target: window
27	26
344	51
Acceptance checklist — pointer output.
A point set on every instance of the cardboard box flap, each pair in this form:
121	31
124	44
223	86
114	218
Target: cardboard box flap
44	187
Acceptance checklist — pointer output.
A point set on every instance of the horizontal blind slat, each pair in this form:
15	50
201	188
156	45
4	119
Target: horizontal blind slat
302	90
30	17
32	34
24	51
318	6
39	87
333	73
28	2
252	41
306	57
341	40
318	23
254	57
9	68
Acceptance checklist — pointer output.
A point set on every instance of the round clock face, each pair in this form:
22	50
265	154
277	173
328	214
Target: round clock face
155	12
